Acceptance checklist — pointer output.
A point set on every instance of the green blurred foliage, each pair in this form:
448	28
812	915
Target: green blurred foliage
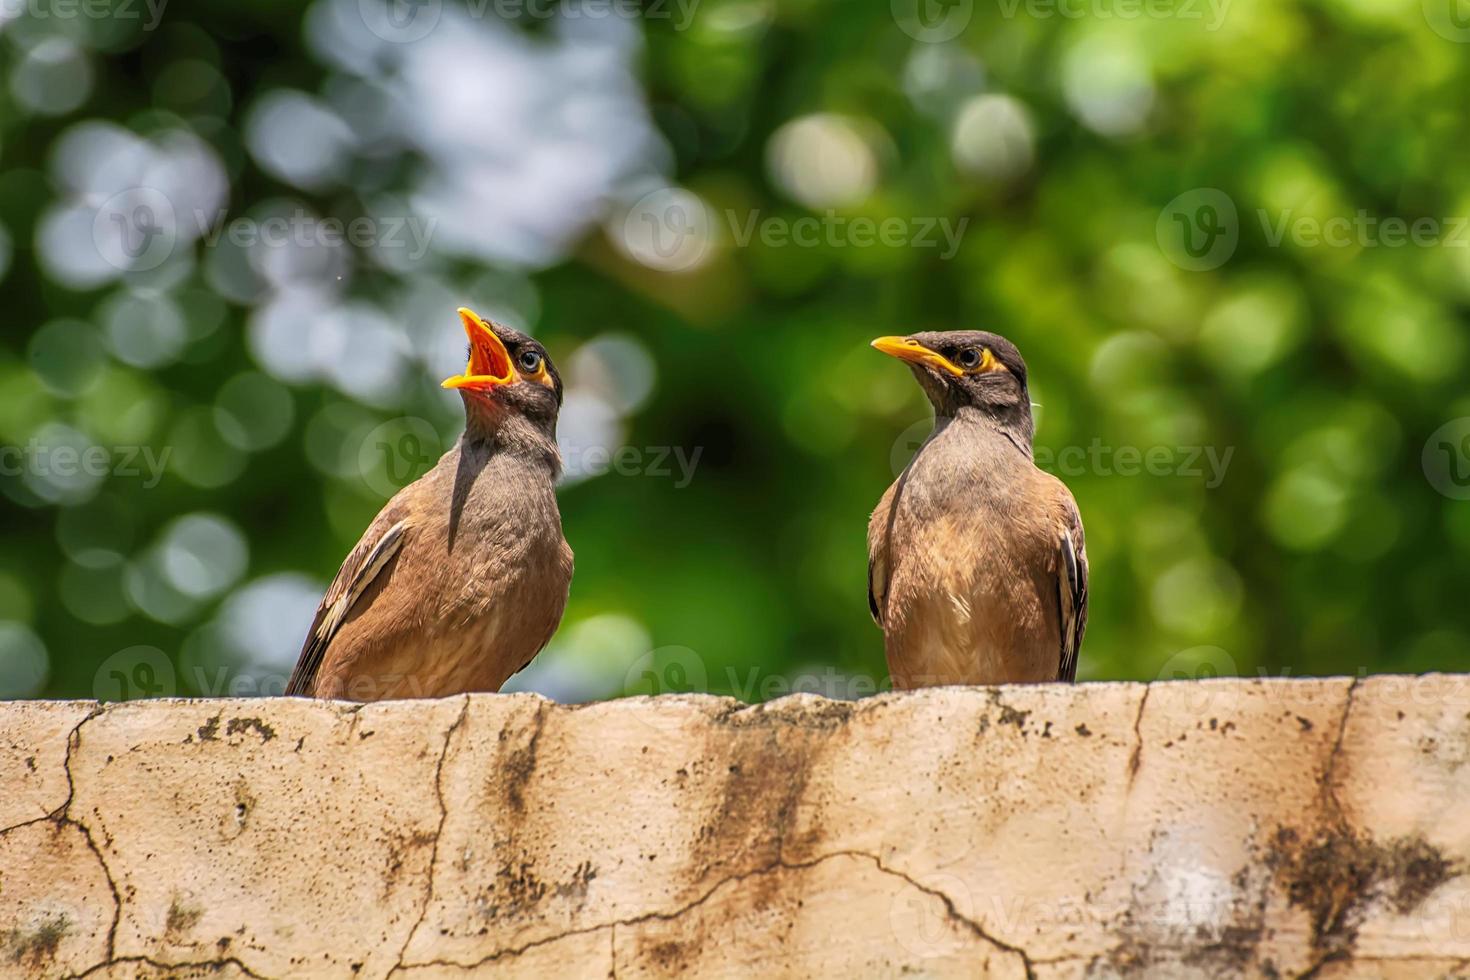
1318	371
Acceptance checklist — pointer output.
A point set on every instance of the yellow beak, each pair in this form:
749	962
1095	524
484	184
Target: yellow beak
915	353
489	360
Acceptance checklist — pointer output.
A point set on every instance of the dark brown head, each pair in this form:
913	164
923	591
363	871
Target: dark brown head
969	369
509	377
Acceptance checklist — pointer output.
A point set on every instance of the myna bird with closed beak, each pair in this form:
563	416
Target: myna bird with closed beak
463	576
977	569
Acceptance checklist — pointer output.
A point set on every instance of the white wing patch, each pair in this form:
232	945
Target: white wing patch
381	554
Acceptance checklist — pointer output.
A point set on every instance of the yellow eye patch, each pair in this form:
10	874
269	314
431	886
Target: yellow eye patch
541	376
907	349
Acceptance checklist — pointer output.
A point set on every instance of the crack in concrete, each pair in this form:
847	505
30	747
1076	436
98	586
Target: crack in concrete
161	965
953	912
73	739
63	816
1332	808
1135	758
668	916
27	823
438	833
1329	770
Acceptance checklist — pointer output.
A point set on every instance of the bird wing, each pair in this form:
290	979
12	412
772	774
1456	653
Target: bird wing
878	556
1072	592
372	553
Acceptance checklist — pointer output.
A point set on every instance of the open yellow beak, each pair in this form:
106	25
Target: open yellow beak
915	353
489	360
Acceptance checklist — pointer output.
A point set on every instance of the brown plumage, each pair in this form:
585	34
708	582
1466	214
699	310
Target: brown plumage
462	577
977	568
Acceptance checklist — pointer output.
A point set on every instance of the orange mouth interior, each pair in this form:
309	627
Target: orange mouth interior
489	360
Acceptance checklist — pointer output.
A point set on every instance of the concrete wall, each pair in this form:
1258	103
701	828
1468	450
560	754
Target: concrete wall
1211	829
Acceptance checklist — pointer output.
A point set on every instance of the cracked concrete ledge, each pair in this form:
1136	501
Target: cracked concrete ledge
1222	828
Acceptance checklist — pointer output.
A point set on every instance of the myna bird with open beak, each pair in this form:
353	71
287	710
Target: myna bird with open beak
977	571
463	576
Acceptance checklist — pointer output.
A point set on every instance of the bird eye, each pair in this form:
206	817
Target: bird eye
968	358
530	360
